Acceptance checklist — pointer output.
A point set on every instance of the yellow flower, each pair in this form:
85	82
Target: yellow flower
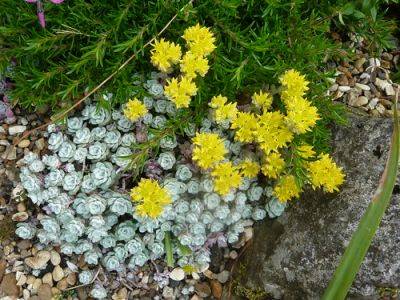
325	173
200	40
262	100
272	132
181	91
301	116
151	198
273	166
246	126
192	64
226	177
249	168
218	101
209	149
287	188
295	85
134	110
164	54
226	112
305	151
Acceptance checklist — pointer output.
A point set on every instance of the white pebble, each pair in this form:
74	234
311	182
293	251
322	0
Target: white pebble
177	274
13	130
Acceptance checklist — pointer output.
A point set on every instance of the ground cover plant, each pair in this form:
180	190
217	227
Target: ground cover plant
81	184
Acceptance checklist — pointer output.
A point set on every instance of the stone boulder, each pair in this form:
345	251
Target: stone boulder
295	255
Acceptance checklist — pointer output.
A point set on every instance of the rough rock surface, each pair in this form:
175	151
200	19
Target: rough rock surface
294	256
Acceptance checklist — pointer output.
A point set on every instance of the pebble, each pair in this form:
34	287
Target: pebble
380	108
22	280
223	277
71	279
334	87
9	285
44	292
363	87
24	144
20	216
10	153
21	207
36	284
48	279
233	254
38	261
31	279
62	284
202	289
26	294
360	101
55	257
373	103
374	62
58	273
344	88
389	90
168	292
40	143
16	129
359	63
177	274
216	289
248	233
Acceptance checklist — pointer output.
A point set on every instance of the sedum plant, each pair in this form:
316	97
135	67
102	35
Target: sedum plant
204	180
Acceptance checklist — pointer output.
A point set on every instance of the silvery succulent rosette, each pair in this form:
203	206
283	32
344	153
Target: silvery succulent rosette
81	186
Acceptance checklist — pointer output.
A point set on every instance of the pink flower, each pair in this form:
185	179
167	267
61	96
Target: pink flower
40	10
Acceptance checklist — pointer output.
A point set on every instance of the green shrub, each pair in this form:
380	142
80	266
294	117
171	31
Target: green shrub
85	41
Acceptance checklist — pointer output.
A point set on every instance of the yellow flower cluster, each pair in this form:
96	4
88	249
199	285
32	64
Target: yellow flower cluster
325	173
151	198
180	91
262	100
134	110
274	164
287	188
223	111
209	149
165	54
273	131
200	42
226	177
249	168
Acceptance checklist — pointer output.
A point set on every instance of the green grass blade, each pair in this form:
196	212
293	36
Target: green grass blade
168	249
362	237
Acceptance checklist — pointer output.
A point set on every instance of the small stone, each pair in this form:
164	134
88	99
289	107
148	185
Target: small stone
337	95
344	88
381	84
10	153
168	292
58	273
209	274
386	64
122	293
380	108
365	76
36	284
177	274
31	279
195	276
223	277
359	63
24	144
44	292
389	90
363	87
202	289
38	261
195	297
372	103
48	279
71	279
374	62
24	244
55	257
21	280
26	294
342	80
386	103
20	216
233	254
14	130
9	285
216	289
21	207
360	101
248	233
40	143
62	284
334	87
55	291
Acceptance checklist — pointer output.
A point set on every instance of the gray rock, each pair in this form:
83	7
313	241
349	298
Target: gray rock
13	130
295	255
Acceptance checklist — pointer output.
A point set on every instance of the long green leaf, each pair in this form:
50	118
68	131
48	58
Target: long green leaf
362	237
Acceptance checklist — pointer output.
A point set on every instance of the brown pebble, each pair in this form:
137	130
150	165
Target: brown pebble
24	144
21	207
202	289
71	279
62	284
20	216
216	289
44	292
